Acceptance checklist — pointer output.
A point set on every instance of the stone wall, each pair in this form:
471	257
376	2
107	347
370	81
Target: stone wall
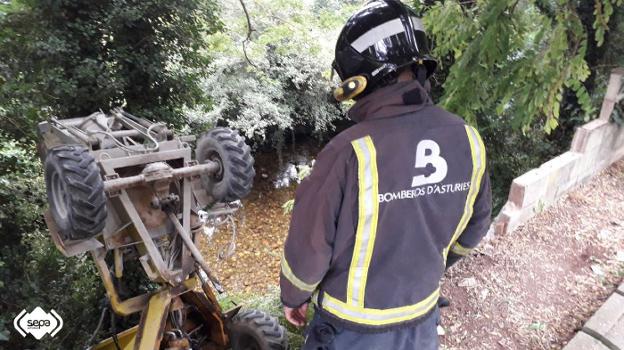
595	146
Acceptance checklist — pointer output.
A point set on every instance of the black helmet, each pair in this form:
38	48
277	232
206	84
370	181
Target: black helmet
377	41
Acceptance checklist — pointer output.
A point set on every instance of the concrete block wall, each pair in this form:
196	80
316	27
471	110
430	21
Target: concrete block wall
595	146
604	330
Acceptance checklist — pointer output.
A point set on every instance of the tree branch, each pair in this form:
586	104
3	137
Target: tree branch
249	26
250	31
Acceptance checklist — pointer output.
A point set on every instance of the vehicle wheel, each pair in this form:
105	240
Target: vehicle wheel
255	330
226	147
75	192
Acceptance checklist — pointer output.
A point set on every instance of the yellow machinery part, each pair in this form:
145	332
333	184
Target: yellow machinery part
153	321
148	334
126	341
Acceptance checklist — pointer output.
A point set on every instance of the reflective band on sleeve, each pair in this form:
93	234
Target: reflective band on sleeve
287	271
368	214
460	250
477	151
379	317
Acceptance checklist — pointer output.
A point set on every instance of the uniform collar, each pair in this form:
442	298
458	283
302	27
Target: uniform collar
391	101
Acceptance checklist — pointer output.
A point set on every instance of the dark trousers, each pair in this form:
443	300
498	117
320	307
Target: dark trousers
322	334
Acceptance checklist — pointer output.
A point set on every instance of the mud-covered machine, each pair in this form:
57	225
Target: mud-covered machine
127	190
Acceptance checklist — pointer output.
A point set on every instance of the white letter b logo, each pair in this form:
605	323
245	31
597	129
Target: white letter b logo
428	158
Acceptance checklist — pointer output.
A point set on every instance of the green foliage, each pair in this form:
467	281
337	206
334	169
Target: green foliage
72	57
603	10
278	79
513	59
32	271
519	68
511	154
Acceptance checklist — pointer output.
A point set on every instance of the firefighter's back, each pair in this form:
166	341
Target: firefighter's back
410	186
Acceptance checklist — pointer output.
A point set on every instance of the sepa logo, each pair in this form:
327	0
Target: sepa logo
38	323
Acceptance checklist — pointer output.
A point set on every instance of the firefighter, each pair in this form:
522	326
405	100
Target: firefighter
391	202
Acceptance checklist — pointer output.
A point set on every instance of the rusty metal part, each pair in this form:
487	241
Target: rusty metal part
131	181
142	197
199	259
147	244
178	344
69	248
159	175
211	314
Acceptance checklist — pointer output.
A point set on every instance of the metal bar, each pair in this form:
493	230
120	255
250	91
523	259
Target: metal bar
161	156
89	140
122	183
77	122
146	239
125	133
189	171
196	253
158	129
187	262
140	121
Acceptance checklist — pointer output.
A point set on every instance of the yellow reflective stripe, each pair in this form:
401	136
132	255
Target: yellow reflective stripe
374	198
460	250
287	271
379	317
361	218
368	214
477	151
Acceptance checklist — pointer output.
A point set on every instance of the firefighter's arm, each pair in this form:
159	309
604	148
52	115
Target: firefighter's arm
309	245
477	226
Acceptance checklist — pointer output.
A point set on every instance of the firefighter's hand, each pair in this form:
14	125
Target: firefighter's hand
297	317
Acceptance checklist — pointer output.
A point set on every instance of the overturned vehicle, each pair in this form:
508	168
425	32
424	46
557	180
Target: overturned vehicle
130	191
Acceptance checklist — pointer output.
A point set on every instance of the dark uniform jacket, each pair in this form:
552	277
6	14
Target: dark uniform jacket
386	203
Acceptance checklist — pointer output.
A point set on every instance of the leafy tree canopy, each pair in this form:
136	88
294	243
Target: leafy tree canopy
68	58
519	59
271	71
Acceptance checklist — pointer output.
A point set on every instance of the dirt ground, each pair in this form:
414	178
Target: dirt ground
531	289
256	262
534	288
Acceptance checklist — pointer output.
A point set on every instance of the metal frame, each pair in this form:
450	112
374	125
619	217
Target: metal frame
133	171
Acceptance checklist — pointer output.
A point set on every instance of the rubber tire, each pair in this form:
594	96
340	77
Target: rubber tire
229	148
258	328
73	179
